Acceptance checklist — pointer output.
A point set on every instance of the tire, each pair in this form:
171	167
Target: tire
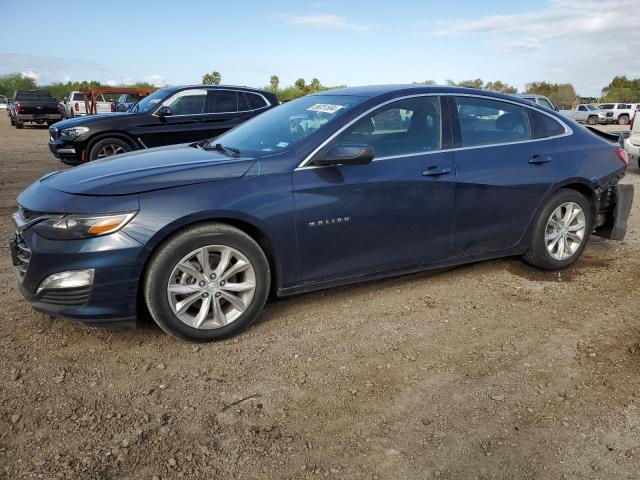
102	148
623	120
593	120
163	272
538	254
18	124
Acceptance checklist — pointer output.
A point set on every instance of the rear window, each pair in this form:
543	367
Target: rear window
545	103
256	101
33	96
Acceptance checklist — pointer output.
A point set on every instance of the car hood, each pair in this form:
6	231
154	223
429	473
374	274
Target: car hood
147	170
88	120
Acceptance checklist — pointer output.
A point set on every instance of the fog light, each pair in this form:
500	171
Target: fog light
73	279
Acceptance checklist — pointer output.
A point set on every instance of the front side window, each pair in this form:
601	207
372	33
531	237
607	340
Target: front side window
404	127
545	103
187	102
606	106
485	122
582	108
222	101
282	127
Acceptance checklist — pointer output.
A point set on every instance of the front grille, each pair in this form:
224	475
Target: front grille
28	215
66	296
609	114
24	256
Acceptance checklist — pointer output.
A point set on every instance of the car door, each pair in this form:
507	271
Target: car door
391	213
184	122
581	113
226	109
504	169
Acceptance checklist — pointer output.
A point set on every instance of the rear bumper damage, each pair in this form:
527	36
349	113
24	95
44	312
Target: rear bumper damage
613	212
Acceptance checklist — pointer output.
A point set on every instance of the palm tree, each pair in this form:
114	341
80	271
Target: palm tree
275	82
212	78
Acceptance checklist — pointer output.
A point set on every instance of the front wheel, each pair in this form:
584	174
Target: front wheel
207	282
623	120
108	147
561	231
593	120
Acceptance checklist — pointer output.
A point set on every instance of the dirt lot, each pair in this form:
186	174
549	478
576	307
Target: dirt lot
494	370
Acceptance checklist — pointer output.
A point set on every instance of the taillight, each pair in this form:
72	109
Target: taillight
113	107
631	124
18	108
58	109
77	107
622	155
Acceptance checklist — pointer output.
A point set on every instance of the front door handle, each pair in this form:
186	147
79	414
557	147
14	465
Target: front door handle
539	159
435	171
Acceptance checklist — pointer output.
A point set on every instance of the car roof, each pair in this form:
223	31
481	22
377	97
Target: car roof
235	87
377	90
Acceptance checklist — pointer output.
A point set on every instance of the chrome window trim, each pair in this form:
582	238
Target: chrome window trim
215	113
568	130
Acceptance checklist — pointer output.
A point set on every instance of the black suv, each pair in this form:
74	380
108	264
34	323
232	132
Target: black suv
168	116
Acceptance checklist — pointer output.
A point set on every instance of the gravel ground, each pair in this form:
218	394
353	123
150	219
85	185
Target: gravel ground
490	371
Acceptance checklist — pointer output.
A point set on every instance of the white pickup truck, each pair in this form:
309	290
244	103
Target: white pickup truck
586	113
75	106
621	113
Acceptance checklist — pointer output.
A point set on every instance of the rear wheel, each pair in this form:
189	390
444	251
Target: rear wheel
561	231
593	120
18	123
623	120
108	147
207	282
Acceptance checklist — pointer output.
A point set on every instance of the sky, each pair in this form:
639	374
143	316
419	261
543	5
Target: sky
585	42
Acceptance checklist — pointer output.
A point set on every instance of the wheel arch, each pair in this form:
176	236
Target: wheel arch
120	135
249	226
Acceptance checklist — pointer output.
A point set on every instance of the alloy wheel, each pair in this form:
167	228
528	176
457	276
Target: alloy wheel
565	231
211	287
109	150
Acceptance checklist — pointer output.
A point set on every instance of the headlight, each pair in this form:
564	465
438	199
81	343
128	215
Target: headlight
72	227
601	114
74	132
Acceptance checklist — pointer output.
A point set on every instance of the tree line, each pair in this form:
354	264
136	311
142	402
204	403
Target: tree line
563	95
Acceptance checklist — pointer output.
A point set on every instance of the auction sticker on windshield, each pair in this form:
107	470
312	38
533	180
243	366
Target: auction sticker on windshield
325	108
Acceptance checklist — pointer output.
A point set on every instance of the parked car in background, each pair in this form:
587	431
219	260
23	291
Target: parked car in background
35	106
620	113
586	113
537	99
632	142
4	101
75	106
125	102
333	188
168	116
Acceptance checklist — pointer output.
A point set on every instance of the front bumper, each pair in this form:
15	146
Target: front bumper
632	150
67	151
110	300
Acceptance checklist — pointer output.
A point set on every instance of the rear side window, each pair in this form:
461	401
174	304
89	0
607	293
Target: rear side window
543	126
243	104
222	101
256	101
486	122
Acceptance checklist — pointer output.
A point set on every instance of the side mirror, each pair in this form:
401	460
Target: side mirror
346	154
164	111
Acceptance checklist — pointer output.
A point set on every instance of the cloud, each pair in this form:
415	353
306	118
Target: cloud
156	80
324	21
586	42
30	74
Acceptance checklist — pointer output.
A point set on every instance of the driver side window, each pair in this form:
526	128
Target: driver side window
405	127
187	102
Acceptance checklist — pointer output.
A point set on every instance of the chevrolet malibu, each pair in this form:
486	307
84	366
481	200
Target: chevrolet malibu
333	188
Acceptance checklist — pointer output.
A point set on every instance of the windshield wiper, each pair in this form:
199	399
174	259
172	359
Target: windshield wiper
221	148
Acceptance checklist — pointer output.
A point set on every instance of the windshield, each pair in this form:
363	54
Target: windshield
283	127
149	102
591	107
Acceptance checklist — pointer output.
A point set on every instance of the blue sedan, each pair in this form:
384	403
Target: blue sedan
333	188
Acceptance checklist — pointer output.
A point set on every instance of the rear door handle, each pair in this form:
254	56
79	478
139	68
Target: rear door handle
539	159
435	171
